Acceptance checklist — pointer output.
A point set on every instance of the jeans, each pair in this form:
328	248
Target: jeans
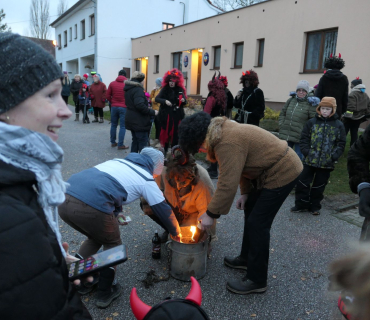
310	197
296	148
139	140
259	213
117	113
352	126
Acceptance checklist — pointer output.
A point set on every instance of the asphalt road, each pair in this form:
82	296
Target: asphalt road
302	246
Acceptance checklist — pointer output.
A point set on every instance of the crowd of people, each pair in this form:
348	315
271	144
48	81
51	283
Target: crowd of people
32	190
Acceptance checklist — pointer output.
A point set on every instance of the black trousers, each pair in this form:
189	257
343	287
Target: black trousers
259	213
139	140
65	98
310	197
77	107
157	126
213	167
352	126
98	112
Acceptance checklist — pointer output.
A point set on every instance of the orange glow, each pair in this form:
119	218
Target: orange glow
54	43
193	229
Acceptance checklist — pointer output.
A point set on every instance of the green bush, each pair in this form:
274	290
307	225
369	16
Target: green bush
271	114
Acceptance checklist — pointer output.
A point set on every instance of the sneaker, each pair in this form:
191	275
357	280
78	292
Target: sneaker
113	144
122	147
106	297
296	209
213	175
236	263
245	286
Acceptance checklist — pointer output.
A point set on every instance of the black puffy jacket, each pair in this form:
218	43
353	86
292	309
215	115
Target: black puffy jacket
34	282
138	113
254	102
75	89
334	84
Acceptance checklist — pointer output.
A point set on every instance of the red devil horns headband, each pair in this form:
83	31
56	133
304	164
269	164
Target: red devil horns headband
246	72
331	55
176	73
140	309
169	72
339	56
357	78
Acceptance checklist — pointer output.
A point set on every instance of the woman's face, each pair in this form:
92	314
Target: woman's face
301	93
96	79
43	112
172	83
183	182
246	84
65	75
77	79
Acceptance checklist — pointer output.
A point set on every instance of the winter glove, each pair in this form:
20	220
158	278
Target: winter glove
92	96
102	100
364	205
205	221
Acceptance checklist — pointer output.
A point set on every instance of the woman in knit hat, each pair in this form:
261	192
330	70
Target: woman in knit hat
249	100
34	282
155	106
299	108
358	109
266	170
66	87
98	194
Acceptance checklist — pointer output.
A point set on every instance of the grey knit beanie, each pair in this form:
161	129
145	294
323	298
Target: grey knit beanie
157	158
303	84
138	76
158	82
25	68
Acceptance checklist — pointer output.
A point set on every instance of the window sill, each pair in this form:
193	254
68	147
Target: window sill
82	39
59	48
236	68
91	35
65	46
155	72
70	40
75	38
214	69
311	72
257	66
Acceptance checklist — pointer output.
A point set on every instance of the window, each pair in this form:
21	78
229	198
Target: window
59	41
82	29
92	25
238	58
65	38
177	60
70	34
156	64
166	26
261	49
319	45
137	65
76	31
216	57
128	72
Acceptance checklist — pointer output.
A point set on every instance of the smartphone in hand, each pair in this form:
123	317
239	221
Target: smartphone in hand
85	267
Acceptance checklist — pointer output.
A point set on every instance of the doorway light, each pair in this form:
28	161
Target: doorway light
200	50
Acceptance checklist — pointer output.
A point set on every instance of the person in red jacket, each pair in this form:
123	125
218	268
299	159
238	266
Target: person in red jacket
116	96
98	92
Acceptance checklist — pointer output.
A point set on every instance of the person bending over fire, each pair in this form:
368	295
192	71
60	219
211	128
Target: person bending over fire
187	188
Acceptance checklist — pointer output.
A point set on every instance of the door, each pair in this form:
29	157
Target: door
199	74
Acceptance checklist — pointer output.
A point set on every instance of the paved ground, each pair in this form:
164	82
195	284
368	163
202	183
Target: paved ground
301	248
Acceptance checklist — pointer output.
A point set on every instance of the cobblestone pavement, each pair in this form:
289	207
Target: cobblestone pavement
350	216
302	246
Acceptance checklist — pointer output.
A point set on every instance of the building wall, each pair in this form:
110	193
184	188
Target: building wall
70	56
283	24
120	21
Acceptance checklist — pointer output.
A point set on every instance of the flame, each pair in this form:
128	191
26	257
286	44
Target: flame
193	229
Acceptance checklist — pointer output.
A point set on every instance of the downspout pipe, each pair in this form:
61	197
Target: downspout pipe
183	15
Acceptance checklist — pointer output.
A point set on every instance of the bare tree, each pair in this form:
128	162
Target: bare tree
40	18
3	26
234	4
62	7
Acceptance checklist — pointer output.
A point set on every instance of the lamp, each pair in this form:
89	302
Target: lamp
200	50
54	43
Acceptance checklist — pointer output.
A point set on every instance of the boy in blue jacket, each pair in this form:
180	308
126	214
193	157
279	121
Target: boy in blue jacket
323	140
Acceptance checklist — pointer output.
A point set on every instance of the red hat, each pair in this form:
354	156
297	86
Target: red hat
85	75
84	86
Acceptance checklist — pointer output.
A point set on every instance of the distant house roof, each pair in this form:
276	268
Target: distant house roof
46	44
76	5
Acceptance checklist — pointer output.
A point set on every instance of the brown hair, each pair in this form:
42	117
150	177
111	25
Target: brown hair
174	168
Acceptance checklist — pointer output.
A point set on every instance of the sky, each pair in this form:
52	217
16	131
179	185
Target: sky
18	15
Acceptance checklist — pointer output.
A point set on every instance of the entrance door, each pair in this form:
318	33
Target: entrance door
199	74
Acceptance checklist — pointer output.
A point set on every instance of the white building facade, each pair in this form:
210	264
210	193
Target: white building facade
96	35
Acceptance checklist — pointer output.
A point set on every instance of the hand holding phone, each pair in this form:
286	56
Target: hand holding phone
123	220
82	268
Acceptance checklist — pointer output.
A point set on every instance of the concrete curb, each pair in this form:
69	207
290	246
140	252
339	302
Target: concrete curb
346	207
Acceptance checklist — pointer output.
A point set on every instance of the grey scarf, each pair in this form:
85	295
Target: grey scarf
36	152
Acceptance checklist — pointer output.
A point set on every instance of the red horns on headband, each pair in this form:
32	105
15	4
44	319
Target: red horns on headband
140	309
339	56
246	72
169	72
331	55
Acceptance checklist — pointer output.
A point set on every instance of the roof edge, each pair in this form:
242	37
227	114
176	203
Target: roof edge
66	13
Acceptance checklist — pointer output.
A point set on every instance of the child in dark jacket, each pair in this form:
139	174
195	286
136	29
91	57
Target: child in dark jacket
85	102
322	143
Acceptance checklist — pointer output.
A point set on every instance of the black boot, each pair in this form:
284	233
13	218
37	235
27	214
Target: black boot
245	286
236	263
95	120
107	291
212	170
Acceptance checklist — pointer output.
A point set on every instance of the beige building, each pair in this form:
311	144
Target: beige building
284	41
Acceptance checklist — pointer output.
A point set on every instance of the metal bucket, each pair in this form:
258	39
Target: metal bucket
188	259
